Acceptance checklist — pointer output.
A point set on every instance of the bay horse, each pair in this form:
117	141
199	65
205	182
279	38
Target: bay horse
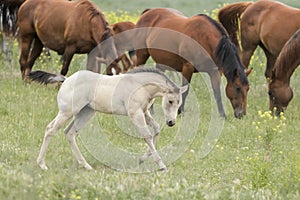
190	45
129	94
280	92
66	27
265	23
122	44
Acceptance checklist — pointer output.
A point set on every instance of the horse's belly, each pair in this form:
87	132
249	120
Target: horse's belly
166	59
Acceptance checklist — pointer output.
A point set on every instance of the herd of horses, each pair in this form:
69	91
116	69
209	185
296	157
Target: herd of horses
174	41
228	45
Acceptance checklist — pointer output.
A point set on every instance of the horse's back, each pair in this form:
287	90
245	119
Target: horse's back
161	17
271	21
184	32
58	23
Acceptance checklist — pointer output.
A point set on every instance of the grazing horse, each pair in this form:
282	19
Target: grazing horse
190	45
122	45
265	23
66	27
129	94
280	92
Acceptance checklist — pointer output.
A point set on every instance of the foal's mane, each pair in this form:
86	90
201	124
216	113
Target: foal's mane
152	70
227	55
288	59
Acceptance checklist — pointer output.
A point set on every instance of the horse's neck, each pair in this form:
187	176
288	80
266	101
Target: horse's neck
285	67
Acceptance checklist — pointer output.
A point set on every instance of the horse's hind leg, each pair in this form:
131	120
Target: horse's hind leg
78	123
51	129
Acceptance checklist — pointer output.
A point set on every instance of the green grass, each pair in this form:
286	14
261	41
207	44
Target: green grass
253	158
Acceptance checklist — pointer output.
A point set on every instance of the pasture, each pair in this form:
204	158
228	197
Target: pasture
257	157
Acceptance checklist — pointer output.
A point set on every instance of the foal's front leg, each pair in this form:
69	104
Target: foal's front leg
139	119
156	129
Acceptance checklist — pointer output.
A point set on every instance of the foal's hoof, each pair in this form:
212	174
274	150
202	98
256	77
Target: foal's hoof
88	167
164	169
44	167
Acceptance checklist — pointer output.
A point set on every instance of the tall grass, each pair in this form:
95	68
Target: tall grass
255	157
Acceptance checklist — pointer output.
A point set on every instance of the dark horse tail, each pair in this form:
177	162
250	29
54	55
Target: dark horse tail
45	77
229	17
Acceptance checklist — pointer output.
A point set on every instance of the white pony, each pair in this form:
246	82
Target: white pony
129	94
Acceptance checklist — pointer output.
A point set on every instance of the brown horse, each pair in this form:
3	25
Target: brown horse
127	63
280	92
190	45
66	27
265	23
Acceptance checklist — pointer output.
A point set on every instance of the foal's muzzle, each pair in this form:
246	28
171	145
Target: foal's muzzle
170	122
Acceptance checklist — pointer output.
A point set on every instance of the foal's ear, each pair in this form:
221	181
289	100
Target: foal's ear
183	89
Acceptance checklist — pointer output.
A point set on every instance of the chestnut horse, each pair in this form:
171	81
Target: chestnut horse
122	44
280	92
265	23
190	45
66	27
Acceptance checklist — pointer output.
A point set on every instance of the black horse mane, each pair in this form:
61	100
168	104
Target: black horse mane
227	55
142	69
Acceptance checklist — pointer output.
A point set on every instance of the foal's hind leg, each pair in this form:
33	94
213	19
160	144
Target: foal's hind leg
79	122
156	129
51	129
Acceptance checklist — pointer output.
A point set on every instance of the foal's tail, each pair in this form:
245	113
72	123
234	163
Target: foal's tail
229	17
45	77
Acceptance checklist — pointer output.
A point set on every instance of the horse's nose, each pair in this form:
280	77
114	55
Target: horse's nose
239	115
170	122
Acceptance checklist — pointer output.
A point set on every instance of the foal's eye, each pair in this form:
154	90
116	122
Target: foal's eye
170	102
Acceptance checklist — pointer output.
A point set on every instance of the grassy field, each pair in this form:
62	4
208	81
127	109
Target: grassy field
257	157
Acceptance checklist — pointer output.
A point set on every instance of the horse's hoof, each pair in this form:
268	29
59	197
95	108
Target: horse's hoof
223	115
44	167
164	169
88	167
